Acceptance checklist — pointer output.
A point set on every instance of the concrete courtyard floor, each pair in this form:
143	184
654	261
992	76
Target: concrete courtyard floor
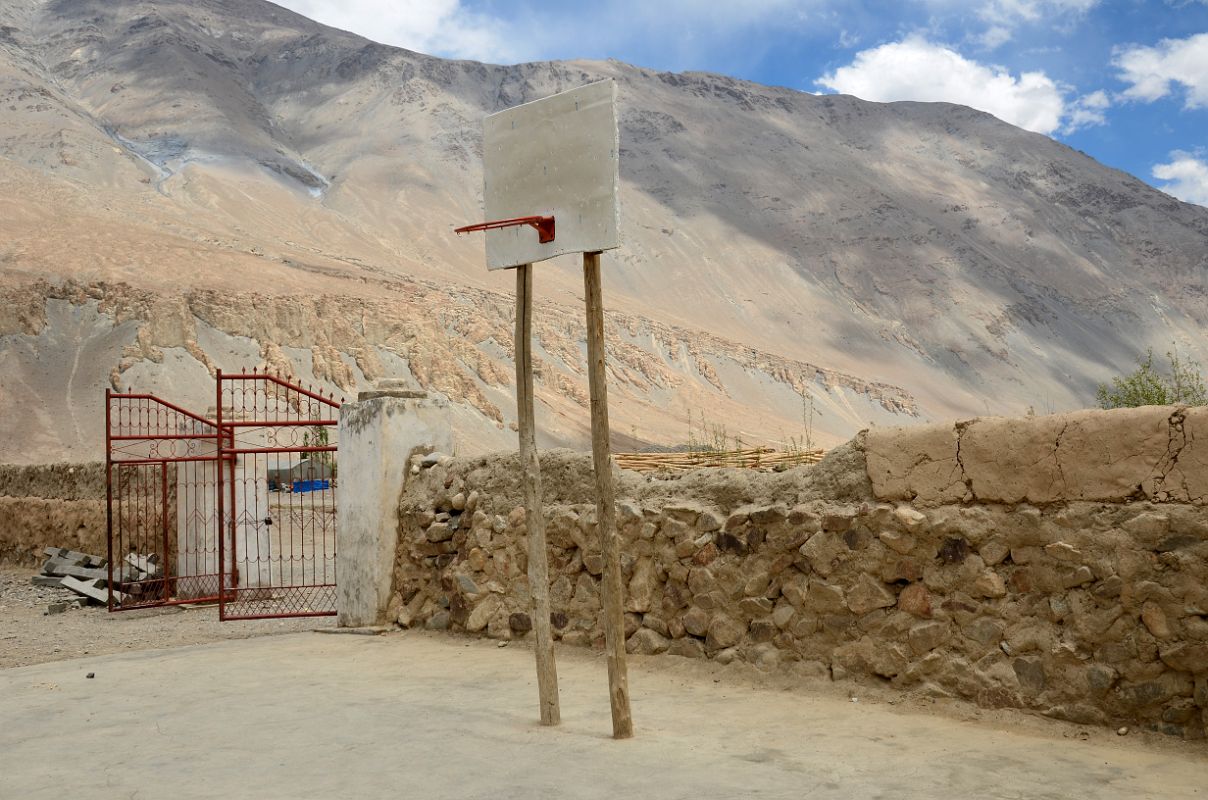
412	715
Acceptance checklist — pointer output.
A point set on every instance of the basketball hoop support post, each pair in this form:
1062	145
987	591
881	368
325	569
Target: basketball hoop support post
559	157
534	516
606	508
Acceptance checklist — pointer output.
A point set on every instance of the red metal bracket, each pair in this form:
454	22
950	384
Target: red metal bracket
544	226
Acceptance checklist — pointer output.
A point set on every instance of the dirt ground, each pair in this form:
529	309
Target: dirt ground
424	715
29	636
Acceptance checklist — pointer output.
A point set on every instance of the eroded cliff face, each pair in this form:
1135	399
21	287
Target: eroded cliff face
453	340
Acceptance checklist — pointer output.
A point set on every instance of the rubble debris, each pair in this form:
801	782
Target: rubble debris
88	576
95	589
74	557
148	565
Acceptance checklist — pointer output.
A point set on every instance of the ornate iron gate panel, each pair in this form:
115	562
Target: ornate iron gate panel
161	483
276	498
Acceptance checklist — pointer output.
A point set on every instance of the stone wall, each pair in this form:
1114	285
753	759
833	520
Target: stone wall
1055	564
61	505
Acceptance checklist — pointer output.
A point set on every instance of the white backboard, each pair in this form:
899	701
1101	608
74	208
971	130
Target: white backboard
558	156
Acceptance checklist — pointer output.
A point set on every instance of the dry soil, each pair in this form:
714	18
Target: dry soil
418	715
28	635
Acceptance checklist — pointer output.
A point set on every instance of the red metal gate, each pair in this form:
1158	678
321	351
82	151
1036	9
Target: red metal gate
276	498
240	509
161	486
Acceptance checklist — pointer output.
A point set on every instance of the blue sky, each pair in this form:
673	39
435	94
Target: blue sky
1123	80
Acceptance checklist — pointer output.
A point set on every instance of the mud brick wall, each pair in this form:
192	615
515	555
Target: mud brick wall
1057	564
60	505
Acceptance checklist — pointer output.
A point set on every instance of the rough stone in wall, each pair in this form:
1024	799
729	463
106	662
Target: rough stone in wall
1056	564
61	505
53	481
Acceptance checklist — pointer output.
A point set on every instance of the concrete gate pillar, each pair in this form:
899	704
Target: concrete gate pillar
378	435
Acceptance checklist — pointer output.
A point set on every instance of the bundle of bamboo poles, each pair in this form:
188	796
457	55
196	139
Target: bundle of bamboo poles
760	458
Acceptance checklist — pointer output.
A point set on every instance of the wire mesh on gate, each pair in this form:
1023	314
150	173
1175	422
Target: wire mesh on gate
277	497
161	481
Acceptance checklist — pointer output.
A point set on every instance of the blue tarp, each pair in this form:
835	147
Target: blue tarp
310	486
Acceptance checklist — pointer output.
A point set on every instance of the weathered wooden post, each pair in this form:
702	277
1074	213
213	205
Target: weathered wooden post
553	165
606	504
534	516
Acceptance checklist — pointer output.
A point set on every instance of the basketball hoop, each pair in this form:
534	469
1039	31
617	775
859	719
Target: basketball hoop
544	226
561	155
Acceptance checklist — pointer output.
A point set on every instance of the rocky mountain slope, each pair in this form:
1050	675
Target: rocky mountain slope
219	183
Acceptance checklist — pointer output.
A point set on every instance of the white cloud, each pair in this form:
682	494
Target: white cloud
438	27
916	69
1098	100
1003	17
1010	11
1186	176
521	30
1088	110
1151	71
995	36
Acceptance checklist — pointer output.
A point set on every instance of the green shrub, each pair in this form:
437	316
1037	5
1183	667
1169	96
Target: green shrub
1146	386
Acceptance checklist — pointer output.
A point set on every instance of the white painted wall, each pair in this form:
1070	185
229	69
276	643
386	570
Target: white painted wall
378	435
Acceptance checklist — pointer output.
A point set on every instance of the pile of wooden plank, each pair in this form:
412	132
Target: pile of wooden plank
88	575
760	458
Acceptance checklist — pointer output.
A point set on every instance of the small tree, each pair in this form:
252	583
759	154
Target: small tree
1186	381
1147	387
317	436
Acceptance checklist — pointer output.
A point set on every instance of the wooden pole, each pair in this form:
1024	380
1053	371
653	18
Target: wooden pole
610	546
538	558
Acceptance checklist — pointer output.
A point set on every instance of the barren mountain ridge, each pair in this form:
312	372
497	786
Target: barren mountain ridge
189	186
